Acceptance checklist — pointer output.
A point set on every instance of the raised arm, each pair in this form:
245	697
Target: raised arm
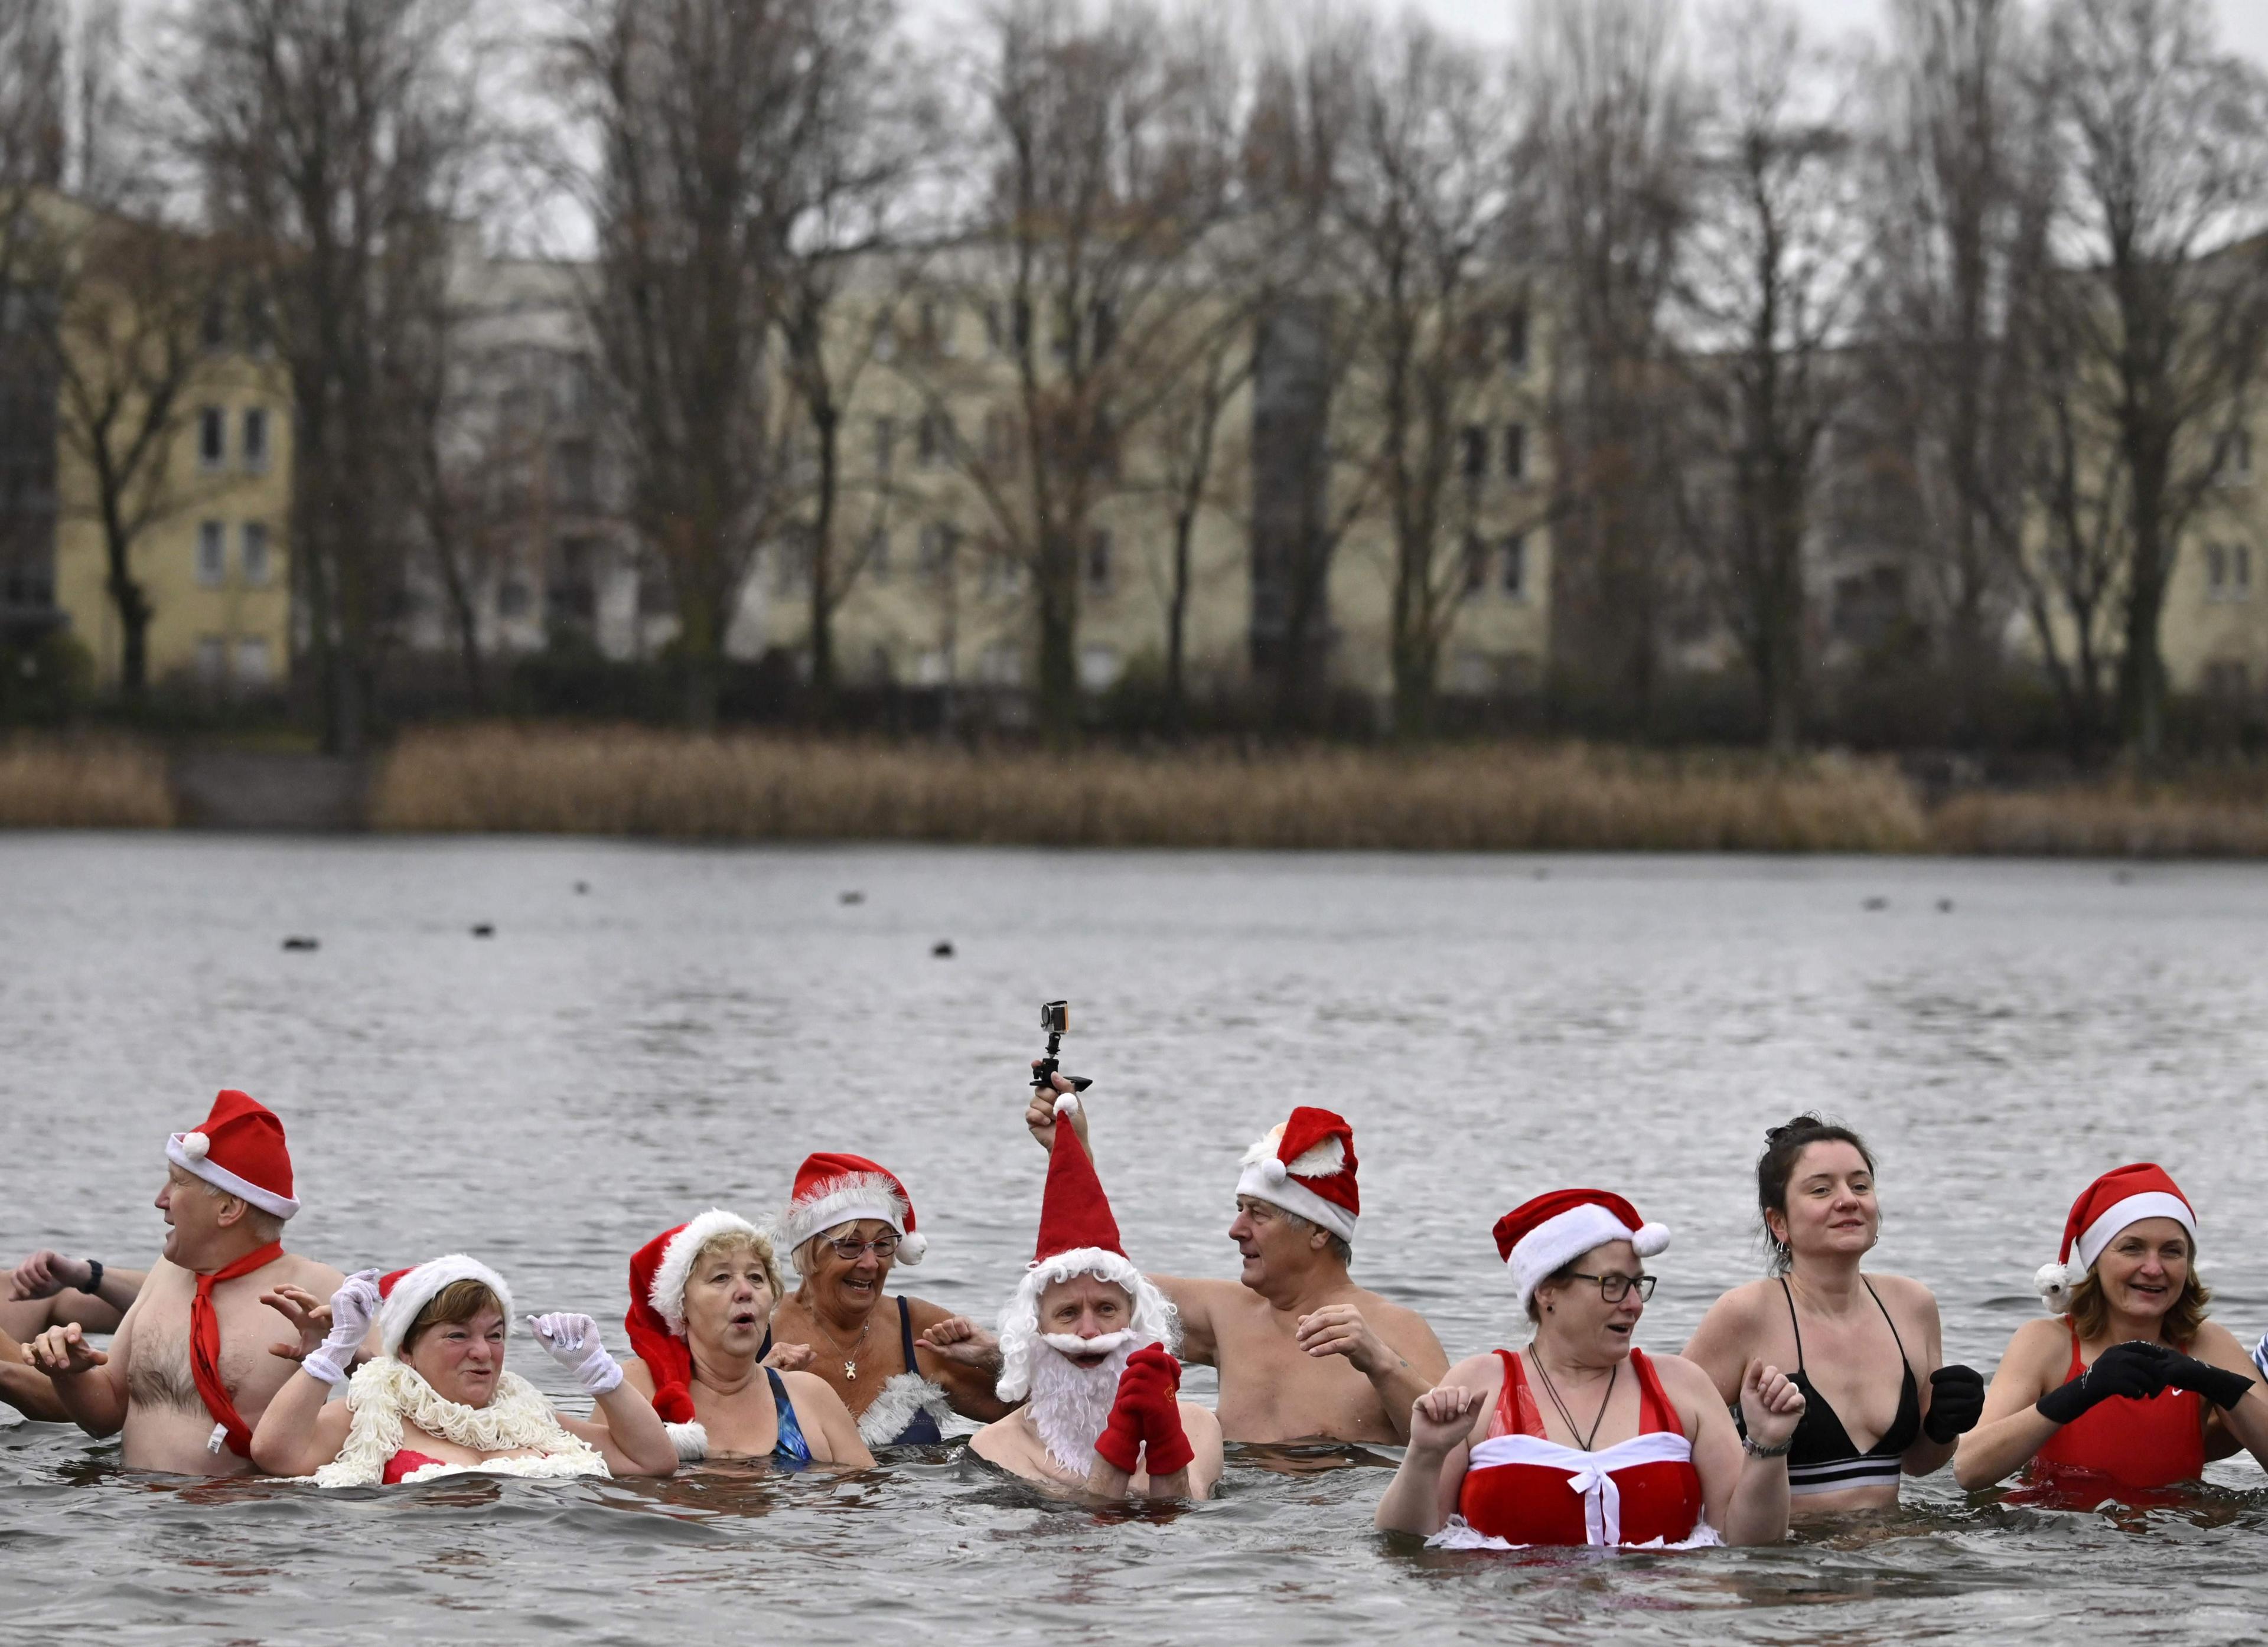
625	1428
963	1357
1424	1492
2029	1401
1744	1487
73	1291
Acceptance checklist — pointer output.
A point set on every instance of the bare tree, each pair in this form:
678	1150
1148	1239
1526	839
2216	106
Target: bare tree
1188	445
699	112
1424	212
326	133
1615	112
2166	325
1107	151
33	98
1966	167
31	165
1770	292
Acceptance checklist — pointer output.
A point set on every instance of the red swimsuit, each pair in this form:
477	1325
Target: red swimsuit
2141	1444
407	1463
1526	1489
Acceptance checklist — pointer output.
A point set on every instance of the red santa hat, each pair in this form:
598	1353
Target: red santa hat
838	1189
2124	1195
660	1271
1307	1165
1077	1237
1539	1236
406	1293
239	1148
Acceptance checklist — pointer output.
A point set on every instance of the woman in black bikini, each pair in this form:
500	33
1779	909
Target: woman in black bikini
1865	1348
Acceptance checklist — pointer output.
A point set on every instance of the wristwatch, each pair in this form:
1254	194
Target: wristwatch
93	1278
1755	1449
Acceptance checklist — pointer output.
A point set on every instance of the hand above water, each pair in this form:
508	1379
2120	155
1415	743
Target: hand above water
46	1272
572	1341
1771	1406
1040	1114
1956	1401
786	1357
62	1352
1442	1418
1338	1329
963	1343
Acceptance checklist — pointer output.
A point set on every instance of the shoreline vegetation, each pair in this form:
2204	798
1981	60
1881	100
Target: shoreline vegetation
1493	798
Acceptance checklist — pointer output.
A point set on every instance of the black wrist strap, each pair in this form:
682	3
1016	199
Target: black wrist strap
93	1278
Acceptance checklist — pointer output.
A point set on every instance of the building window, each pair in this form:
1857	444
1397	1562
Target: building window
255	438
514	596
2240	571
213	660
1000	440
1098	565
1516	338
1097	667
933	439
1515	451
253	547
575	463
1001	664
213	328
1515	566
212	554
874	555
885	444
2236	463
252	668
938	540
212	438
1004	573
1476	443
1103	320
1476	562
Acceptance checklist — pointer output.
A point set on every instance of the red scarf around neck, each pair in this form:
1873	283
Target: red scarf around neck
204	1351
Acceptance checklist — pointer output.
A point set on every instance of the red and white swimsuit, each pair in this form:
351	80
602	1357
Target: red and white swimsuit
1523	1489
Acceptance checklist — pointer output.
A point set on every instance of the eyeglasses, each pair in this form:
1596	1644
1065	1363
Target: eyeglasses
850	1246
1615	1288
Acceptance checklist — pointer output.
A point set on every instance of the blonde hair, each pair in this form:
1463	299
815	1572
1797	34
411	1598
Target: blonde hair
459	1301
735	1241
2089	1310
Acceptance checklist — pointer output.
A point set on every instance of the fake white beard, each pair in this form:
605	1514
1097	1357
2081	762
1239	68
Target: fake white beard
1070	1404
1100	1344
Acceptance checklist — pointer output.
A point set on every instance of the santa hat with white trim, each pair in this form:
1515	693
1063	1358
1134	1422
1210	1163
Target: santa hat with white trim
1077	1237
1540	1236
2124	1195
660	1271
1307	1166
838	1189
239	1148
407	1292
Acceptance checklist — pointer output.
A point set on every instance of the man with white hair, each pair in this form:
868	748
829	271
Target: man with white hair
1090	1341
203	1350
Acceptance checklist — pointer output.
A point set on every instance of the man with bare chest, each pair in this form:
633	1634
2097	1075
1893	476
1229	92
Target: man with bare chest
1303	1353
200	1354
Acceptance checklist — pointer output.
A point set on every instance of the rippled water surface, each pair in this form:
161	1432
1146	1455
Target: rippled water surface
683	1032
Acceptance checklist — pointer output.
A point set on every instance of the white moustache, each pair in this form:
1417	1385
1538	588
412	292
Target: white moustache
1072	1345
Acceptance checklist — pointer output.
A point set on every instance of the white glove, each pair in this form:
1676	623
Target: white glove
352	1307
572	1341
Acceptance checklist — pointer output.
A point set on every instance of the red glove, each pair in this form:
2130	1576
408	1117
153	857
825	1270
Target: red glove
1147	1410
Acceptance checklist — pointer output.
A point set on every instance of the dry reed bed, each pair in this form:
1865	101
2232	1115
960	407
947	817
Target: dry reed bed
2117	821
638	783
59	784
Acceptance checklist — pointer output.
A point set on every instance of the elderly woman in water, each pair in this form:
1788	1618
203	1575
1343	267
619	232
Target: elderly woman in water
901	1366
1865	1348
438	1401
1623	1449
701	1297
2128	1386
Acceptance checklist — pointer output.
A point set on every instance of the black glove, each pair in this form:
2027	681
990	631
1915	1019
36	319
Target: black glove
1956	1401
2135	1370
2222	1388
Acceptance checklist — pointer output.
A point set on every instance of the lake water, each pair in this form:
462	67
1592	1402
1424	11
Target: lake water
615	1060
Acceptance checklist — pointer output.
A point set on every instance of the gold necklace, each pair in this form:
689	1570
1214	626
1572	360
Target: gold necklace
849	1364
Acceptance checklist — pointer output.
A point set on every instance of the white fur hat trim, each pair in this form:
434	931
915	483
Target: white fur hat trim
419	1288
1567	1237
192	1152
851	1199
670	1276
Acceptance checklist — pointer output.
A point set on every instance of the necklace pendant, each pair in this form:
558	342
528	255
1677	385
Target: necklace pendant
851	1370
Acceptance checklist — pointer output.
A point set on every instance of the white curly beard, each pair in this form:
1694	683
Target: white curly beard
1070	1404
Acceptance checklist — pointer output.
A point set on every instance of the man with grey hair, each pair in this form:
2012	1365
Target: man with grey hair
203	1350
1303	1353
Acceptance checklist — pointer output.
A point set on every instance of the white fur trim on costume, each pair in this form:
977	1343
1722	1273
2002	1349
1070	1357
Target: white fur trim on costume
419	1288
200	1163
670	1276
895	1404
1567	1237
691	1440
2153	1203
1293	1196
1155	1321
850	1199
2054	1282
516	1419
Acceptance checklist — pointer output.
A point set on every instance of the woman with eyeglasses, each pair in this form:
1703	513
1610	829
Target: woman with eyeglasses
1866	1349
903	1366
1582	1438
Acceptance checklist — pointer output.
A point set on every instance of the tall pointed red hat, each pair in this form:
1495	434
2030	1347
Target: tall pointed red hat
1074	1213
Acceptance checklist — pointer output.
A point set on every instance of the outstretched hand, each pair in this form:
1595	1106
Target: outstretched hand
1338	1329
962	1342
310	1319
62	1352
1040	1114
574	1342
1770	1405
786	1357
1442	1418
45	1273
